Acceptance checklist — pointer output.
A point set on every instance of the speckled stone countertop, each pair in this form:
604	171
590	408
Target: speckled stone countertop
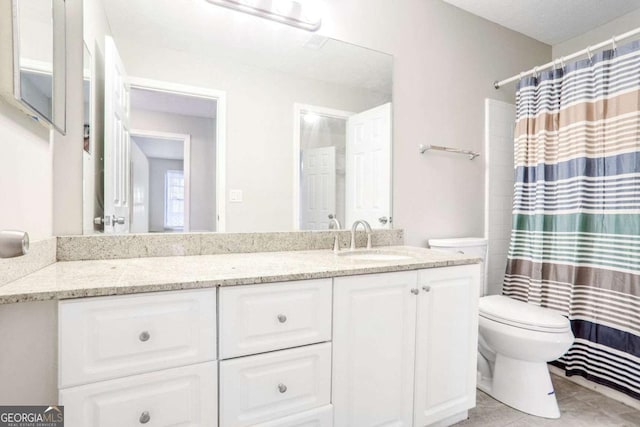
76	279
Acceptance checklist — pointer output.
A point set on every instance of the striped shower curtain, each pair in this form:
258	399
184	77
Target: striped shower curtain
575	241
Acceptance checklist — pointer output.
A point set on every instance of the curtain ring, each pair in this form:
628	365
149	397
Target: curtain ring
613	43
589	55
562	62
535	72
556	62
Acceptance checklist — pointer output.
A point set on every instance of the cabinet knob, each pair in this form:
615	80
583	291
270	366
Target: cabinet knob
426	288
282	388
282	318
145	417
144	336
415	291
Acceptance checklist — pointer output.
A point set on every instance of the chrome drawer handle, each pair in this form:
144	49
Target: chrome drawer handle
282	318
415	291
282	388
426	288
144	336
145	417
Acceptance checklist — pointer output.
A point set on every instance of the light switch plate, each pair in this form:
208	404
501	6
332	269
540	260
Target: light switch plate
235	196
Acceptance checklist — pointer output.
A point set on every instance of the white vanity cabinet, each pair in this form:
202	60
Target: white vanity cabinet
282	333
388	349
139	359
404	347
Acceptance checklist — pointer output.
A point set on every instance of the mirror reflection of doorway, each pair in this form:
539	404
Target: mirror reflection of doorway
160	172
322	169
342	167
173	151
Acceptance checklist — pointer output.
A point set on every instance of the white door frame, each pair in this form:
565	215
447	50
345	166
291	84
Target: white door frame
297	112
221	132
186	167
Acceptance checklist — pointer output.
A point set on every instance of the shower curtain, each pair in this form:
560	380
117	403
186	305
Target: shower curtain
575	241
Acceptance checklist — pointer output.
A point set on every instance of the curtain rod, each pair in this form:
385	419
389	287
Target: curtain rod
612	41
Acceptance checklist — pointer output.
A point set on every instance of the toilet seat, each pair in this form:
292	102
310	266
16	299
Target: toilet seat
519	314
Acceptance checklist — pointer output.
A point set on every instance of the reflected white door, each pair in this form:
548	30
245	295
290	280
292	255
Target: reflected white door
368	167
318	187
117	168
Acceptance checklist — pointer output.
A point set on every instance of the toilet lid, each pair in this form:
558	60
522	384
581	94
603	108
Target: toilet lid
520	314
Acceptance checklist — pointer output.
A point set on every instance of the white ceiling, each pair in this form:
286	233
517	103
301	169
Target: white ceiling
163	102
549	21
157	148
202	28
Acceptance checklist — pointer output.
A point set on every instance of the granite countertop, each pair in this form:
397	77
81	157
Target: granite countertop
76	279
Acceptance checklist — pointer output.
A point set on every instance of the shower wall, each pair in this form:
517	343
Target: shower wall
499	179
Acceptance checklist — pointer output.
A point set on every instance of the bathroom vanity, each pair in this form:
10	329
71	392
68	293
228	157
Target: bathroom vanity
306	338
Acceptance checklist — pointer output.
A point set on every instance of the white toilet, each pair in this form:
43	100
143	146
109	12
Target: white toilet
516	340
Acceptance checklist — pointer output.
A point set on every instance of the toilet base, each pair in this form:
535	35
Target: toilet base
525	386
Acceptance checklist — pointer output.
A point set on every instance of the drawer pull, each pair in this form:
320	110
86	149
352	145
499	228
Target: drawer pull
415	291
144	336
426	288
282	318
145	417
282	388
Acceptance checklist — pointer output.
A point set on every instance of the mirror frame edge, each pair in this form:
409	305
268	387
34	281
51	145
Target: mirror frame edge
10	64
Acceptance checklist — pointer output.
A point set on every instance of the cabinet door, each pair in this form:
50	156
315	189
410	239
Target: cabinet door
446	346
374	322
185	397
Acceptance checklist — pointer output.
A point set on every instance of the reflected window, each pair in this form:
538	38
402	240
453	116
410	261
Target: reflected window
174	200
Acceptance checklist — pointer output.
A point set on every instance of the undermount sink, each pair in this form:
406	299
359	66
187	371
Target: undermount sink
368	255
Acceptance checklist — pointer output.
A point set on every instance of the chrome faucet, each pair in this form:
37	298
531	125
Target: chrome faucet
334	223
367	228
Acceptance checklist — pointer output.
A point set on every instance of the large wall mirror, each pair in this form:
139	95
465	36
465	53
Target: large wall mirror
38	78
206	119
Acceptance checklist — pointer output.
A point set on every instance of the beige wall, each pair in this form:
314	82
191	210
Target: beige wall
25	174
604	32
29	357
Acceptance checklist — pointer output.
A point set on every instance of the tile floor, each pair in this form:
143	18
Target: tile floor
580	407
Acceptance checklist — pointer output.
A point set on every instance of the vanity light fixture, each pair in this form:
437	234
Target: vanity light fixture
290	12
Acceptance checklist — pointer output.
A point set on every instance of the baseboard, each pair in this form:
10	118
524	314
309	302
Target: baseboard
606	391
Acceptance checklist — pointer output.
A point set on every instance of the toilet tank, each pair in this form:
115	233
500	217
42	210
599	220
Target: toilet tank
474	246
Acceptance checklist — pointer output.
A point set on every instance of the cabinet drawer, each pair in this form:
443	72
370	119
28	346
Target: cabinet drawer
255	389
260	318
174	397
111	337
319	417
